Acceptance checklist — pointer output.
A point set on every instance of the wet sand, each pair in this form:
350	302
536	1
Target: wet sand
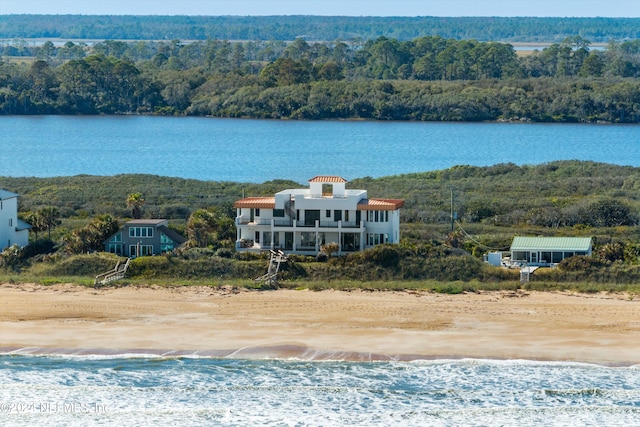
358	325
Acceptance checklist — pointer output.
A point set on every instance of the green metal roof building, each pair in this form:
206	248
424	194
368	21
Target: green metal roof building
546	251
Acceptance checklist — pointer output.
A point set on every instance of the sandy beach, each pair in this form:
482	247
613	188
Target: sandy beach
358	325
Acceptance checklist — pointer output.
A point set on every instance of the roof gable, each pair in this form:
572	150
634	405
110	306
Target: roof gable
173	235
327	179
524	243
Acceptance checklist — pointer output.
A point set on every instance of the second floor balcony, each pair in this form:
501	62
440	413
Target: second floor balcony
289	223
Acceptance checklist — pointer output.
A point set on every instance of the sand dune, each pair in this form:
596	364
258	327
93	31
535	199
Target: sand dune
601	328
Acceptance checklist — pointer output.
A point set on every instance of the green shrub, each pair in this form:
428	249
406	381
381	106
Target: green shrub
80	265
385	256
224	253
579	263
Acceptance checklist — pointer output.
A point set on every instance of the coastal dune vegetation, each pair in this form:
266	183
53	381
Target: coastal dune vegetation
493	204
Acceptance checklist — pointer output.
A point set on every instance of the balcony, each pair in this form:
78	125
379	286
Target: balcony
289	223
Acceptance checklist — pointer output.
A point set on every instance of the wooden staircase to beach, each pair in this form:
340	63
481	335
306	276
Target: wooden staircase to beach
115	274
271	278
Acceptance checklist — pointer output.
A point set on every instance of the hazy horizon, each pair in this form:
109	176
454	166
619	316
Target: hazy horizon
450	8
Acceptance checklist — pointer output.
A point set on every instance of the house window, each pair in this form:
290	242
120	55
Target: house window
115	249
257	237
278	213
288	240
10	222
350	241
346	216
116	238
145	250
556	257
337	215
141	232
520	256
308	239
166	244
257	212
545	257
377	239
328	213
311	216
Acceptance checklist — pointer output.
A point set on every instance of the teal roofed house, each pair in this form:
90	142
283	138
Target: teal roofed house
547	251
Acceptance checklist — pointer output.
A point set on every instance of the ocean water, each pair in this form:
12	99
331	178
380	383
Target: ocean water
191	391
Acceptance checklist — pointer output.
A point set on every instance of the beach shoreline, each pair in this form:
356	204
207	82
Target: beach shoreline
359	325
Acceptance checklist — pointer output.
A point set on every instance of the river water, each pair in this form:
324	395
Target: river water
261	150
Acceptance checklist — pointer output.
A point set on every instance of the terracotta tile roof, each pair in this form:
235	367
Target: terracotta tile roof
256	203
327	179
380	204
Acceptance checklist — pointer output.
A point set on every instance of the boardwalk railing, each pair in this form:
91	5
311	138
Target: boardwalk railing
109	276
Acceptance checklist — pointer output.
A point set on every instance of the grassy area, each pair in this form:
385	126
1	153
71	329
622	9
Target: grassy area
443	287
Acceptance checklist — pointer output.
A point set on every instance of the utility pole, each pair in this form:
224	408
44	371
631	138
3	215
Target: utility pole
452	214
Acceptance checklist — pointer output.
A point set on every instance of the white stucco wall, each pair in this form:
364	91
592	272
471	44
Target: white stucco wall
9	221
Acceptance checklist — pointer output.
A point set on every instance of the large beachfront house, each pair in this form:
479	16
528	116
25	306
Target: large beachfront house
547	251
13	231
144	237
301	220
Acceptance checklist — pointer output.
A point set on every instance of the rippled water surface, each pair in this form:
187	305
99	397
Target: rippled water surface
261	150
78	391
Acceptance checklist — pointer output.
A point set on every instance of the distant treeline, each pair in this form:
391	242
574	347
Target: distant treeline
430	78
317	28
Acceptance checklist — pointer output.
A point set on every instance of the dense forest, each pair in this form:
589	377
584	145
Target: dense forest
74	215
316	28
428	78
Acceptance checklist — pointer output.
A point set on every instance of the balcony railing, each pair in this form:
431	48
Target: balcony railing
277	222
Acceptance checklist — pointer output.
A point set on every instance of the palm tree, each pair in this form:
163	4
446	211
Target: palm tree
34	219
135	202
49	218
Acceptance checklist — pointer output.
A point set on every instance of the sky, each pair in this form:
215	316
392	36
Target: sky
556	8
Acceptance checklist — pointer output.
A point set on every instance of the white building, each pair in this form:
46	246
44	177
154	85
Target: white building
302	220
12	230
